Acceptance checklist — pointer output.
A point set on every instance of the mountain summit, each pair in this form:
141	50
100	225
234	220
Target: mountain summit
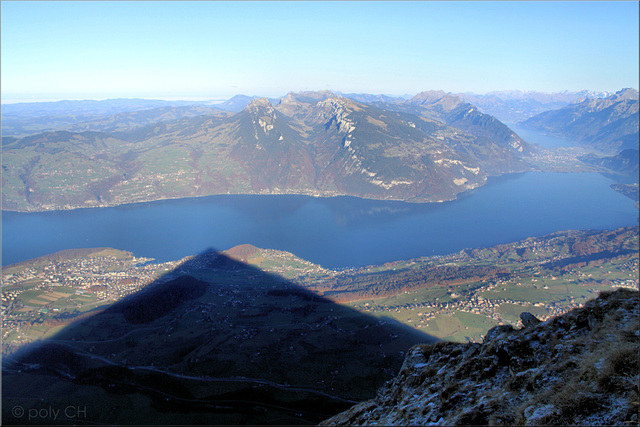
578	369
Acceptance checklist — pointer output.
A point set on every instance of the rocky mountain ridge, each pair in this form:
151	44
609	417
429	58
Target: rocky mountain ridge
456	112
625	162
577	369
313	143
609	125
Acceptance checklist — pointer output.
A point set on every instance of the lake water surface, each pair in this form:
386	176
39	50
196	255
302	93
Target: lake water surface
334	232
544	140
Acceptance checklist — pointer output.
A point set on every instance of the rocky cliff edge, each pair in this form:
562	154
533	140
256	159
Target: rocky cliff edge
580	369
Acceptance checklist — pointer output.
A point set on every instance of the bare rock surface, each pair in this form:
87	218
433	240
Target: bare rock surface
528	319
581	368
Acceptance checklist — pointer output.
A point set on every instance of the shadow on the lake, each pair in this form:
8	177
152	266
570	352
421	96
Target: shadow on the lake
215	341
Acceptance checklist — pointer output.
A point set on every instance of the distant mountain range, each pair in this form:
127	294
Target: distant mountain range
609	125
369	98
513	106
19	120
428	148
119	122
238	103
509	106
86	107
110	115
23	119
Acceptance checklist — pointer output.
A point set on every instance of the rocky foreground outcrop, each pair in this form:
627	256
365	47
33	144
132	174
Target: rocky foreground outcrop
581	368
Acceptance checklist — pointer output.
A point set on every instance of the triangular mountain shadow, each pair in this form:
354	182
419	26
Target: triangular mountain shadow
215	341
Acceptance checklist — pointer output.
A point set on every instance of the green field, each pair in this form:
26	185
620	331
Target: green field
460	327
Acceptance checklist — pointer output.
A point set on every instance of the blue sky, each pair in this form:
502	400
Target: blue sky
110	49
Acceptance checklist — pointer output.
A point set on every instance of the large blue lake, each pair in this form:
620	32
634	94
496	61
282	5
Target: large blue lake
334	232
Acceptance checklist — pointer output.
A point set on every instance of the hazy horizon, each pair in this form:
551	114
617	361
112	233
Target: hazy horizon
214	100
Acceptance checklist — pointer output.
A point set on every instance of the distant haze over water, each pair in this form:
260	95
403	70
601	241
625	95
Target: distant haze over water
546	141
